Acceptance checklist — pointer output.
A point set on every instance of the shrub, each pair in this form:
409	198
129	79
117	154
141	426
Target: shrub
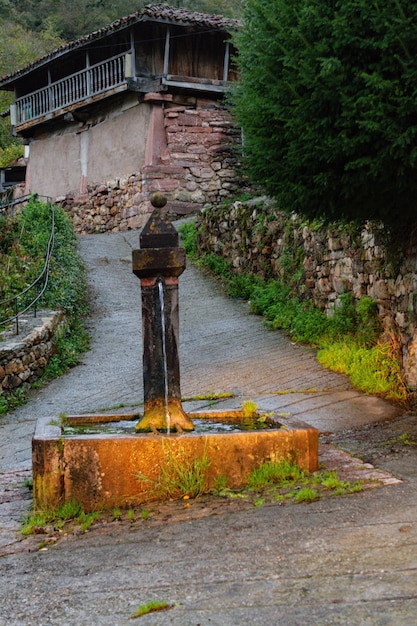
327	104
24	248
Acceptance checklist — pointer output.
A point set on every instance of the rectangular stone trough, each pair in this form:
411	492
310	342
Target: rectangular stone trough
119	470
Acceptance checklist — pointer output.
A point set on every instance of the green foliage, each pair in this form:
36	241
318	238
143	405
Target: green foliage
86	520
117	514
145	514
19	46
12	400
151	607
71	342
179	477
268	473
189	239
23	248
10	153
249	409
373	369
284	481
22	251
327	105
306	494
70	20
39	519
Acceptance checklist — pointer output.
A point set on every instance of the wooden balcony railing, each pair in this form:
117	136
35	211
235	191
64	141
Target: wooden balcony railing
77	87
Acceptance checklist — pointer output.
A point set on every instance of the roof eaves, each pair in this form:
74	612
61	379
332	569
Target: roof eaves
156	13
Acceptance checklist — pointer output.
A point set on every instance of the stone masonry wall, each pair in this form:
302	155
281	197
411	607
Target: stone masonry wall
196	165
256	237
23	357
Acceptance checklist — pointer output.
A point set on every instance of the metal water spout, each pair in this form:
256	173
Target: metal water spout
158	264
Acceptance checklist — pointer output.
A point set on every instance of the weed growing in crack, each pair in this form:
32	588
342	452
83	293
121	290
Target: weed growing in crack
151	607
179	476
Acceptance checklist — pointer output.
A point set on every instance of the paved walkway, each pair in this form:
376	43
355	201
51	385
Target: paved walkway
349	560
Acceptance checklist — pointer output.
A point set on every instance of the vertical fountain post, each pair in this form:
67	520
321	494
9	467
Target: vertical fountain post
158	264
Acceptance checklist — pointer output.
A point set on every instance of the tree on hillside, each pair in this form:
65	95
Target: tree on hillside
328	106
73	19
18	47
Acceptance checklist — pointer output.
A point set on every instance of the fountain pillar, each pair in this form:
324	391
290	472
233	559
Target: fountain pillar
158	264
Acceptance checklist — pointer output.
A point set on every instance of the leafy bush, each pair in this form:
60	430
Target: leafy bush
189	238
23	249
10	153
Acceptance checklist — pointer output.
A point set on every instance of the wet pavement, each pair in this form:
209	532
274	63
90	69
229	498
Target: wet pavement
347	560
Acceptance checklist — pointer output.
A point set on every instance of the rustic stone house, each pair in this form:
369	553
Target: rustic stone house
132	108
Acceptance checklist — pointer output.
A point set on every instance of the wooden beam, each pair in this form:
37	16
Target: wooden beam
133	52
166	53
226	61
145	85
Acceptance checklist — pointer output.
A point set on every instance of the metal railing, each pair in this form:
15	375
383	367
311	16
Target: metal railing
6	199
89	82
40	284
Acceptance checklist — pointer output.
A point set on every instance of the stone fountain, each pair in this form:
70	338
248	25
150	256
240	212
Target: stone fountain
158	263
103	469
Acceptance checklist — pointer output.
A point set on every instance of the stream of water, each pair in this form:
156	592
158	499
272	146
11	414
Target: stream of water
164	352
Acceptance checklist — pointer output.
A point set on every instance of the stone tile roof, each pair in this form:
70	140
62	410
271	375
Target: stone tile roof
156	13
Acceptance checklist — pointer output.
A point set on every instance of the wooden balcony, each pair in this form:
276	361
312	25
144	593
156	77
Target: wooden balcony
61	96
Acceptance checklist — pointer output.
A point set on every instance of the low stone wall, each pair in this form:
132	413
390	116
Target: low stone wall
23	357
196	165
116	205
256	237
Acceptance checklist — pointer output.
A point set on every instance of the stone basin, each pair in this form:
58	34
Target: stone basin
102	471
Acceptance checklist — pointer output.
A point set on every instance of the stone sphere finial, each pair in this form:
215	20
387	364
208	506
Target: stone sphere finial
158	200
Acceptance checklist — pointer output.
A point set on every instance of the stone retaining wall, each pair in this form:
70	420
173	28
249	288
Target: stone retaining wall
195	165
23	357
328	262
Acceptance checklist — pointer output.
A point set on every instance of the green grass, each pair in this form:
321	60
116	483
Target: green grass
40	519
86	520
307	494
58	518
249	409
285	482
179	476
189	238
117	514
269	473
373	369
405	439
151	607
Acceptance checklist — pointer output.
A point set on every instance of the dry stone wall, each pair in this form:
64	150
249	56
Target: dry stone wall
24	357
256	237
115	205
196	166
